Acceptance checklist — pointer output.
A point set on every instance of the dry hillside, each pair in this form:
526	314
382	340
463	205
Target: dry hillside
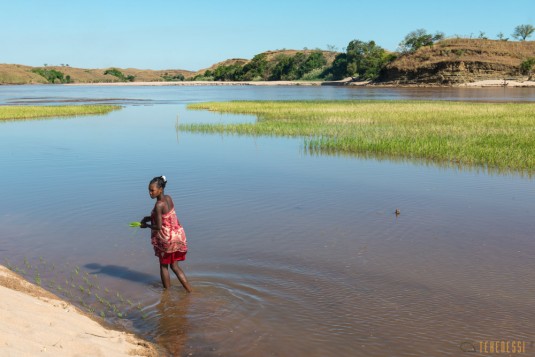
19	74
448	62
456	61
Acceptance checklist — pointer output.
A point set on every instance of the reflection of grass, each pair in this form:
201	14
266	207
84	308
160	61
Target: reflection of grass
493	135
28	112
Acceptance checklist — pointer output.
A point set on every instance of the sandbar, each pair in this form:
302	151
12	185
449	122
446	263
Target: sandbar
35	322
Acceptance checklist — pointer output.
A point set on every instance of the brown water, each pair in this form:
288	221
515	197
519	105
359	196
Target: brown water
290	254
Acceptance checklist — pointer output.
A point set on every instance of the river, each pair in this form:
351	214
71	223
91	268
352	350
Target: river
290	254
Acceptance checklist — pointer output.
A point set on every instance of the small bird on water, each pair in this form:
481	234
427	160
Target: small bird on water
397	212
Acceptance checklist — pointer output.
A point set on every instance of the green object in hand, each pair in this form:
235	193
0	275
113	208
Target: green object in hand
135	224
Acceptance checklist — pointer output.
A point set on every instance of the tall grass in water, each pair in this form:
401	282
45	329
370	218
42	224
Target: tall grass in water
29	112
498	136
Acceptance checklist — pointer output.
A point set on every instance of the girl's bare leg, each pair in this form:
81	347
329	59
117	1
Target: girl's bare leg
164	274
181	276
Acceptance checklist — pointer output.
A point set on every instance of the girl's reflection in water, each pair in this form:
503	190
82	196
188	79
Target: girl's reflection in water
172	326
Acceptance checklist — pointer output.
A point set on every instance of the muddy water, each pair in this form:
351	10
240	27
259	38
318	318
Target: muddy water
290	254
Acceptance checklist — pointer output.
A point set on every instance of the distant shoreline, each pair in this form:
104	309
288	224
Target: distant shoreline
202	83
345	83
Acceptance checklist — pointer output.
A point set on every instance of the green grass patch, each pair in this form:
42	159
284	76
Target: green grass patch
496	136
30	112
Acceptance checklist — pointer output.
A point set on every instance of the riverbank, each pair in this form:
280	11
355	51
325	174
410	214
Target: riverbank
345	82
204	83
36	322
499	83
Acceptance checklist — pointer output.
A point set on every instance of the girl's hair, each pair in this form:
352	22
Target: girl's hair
160	181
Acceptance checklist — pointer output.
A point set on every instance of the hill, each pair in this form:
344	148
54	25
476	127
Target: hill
447	62
20	74
272	58
228	62
457	61
272	55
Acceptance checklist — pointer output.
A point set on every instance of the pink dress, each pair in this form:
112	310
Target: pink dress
170	241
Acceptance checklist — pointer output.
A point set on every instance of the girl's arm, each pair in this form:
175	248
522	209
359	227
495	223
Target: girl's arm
157	224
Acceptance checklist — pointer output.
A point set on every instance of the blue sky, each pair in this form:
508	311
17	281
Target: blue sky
166	34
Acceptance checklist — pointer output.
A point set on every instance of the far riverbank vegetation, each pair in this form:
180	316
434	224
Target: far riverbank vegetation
495	136
456	59
360	60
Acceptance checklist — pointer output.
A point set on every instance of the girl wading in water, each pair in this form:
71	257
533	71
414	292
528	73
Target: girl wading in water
167	235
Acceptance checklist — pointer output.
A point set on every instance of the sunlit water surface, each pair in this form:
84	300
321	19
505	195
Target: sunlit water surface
291	254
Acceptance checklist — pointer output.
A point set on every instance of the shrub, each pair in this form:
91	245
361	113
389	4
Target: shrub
314	75
527	65
52	75
170	78
116	73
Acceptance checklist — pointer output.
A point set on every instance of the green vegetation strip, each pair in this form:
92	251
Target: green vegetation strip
497	136
29	112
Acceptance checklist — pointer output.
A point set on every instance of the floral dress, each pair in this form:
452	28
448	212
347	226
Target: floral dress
170	241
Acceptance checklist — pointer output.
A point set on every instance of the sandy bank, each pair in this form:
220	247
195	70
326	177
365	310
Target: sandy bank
35	322
500	83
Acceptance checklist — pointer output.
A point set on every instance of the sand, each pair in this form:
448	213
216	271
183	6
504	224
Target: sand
35	322
500	83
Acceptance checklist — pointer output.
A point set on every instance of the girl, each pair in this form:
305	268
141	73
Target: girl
167	235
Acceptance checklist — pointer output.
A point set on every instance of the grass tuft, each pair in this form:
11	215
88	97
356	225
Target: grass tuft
33	112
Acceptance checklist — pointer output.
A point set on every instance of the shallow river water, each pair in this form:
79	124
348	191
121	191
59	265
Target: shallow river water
290	254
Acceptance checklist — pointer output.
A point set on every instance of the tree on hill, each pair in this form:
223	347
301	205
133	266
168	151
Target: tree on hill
419	38
284	68
232	72
523	31
256	69
314	61
501	37
338	69
363	60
